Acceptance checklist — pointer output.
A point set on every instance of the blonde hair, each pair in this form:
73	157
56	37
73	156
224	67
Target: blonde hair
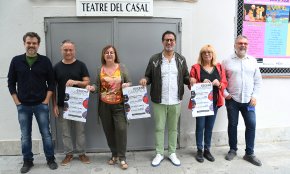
207	48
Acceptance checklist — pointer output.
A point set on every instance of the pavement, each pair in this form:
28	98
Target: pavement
275	157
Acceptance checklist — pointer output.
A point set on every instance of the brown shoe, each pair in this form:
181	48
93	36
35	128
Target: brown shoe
84	159
67	159
113	160
124	165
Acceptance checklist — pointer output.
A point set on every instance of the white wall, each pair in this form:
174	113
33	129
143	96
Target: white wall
202	24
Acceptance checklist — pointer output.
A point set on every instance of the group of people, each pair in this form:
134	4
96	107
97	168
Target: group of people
32	81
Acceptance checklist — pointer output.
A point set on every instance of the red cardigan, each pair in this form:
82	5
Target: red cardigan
195	73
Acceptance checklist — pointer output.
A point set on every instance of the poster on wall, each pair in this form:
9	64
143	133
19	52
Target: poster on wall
76	104
202	99
136	102
266	24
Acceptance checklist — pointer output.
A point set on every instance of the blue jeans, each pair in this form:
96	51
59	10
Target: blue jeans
204	125
25	115
249	115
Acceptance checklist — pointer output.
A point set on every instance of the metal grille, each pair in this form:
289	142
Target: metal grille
275	71
240	17
265	71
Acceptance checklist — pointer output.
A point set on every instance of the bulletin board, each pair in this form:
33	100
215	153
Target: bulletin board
266	23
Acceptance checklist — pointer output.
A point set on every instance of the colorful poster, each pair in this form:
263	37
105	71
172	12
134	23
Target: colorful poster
76	104
202	99
266	24
136	102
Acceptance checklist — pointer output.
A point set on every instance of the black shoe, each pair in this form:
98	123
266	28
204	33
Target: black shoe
52	164
199	156
208	155
26	166
252	159
231	154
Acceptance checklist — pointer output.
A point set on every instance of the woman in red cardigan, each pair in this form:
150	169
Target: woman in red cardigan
207	70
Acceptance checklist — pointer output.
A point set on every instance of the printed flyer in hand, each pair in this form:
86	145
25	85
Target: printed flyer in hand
136	102
76	104
202	99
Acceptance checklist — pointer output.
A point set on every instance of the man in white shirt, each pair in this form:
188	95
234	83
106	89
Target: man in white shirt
244	82
167	73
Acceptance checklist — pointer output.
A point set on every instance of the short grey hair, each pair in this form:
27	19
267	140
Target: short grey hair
240	37
67	41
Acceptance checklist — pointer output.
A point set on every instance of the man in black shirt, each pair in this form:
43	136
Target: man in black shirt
70	72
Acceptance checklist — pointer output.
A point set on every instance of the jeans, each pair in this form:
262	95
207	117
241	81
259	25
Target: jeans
249	115
115	127
204	125
25	115
166	114
79	130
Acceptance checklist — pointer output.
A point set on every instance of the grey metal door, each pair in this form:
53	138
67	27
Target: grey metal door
136	39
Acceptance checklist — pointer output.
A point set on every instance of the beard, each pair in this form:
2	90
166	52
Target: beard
241	52
31	51
169	48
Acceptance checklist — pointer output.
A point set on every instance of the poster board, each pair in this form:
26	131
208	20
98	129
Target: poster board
266	23
202	99
136	102
76	104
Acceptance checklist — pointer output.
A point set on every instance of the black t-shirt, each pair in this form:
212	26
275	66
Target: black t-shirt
211	76
63	72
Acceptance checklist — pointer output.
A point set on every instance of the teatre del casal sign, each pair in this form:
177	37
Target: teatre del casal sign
114	7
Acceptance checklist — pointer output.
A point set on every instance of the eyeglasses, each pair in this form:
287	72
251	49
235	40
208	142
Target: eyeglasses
107	53
207	52
169	40
242	43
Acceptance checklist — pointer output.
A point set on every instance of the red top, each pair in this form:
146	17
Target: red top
195	73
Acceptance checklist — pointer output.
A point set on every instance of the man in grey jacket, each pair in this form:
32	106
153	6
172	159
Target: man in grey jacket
167	73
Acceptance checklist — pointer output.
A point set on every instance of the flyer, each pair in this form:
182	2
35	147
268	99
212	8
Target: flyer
136	102
76	104
202	99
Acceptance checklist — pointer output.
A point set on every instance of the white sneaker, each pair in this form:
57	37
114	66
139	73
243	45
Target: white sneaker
157	160
175	161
